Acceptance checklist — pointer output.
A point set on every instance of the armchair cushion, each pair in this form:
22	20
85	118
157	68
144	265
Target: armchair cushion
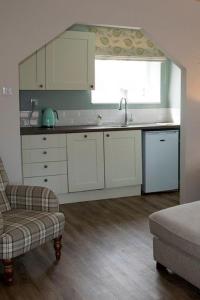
25	230
32	198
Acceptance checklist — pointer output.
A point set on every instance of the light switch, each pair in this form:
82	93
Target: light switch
10	91
6	91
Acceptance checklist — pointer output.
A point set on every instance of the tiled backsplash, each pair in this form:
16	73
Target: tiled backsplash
89	117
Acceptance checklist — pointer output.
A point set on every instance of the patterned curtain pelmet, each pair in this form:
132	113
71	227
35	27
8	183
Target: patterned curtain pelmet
123	42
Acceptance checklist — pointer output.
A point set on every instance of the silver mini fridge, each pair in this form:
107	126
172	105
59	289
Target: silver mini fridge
160	161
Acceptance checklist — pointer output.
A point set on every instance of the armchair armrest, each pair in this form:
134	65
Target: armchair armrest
1	224
32	198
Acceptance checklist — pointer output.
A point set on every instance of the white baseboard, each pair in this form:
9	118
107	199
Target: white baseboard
100	194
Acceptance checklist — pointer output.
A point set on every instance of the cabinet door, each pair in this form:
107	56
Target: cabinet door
70	61
85	161
123	158
32	72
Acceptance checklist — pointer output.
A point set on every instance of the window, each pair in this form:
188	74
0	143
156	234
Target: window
140	79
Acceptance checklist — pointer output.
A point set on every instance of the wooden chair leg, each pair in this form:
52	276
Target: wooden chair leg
57	247
8	271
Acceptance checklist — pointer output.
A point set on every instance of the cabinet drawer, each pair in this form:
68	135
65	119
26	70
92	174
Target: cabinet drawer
43	141
44	155
58	184
121	134
84	136
44	169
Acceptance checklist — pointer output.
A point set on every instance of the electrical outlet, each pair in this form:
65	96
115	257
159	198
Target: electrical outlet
34	102
35	115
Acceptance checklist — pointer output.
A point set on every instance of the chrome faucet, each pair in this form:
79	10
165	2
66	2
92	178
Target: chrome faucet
126	110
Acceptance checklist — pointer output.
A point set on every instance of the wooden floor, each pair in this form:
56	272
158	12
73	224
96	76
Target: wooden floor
107	254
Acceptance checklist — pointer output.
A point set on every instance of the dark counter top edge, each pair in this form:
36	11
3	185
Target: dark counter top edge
79	129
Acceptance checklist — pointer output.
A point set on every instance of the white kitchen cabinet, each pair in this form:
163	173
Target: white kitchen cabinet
123	158
43	155
42	141
45	161
85	161
44	168
70	61
32	72
58	183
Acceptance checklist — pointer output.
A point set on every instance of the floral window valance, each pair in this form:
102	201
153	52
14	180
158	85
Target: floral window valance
111	41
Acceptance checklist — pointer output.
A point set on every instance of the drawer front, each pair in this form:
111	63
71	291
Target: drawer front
58	184
44	169
121	134
84	136
43	141
44	155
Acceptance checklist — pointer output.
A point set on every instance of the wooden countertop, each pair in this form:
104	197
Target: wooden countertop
92	128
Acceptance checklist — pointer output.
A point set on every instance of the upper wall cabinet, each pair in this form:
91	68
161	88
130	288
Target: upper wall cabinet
32	72
70	61
66	63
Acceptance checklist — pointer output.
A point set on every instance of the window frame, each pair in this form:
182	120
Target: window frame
163	81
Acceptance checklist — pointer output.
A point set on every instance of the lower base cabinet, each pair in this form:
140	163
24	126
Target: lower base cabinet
123	158
57	183
45	161
45	169
85	161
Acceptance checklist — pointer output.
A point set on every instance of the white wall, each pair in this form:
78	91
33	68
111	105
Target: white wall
174	95
173	25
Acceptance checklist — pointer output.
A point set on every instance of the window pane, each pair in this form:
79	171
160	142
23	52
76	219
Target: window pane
140	78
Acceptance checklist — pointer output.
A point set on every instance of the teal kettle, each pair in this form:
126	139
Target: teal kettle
49	117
